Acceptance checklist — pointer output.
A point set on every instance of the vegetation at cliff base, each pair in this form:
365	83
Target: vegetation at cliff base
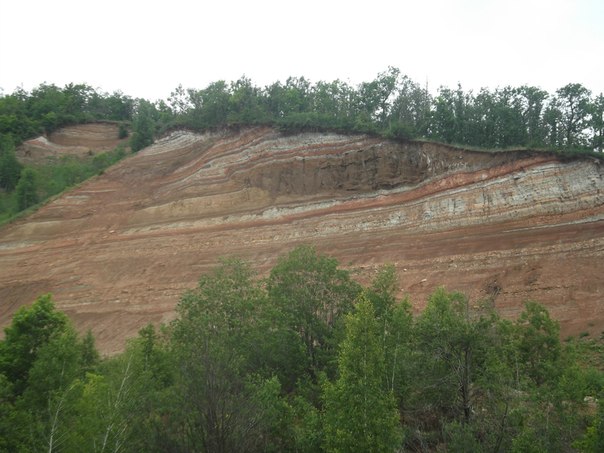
305	360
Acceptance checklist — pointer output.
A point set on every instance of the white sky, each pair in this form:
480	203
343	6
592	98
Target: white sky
146	48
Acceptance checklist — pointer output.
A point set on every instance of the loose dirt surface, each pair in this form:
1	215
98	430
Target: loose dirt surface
82	140
118	251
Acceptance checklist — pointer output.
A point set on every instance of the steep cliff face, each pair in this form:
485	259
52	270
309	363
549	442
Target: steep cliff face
503	227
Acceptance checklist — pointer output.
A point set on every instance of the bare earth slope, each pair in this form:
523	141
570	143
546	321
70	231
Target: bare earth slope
118	251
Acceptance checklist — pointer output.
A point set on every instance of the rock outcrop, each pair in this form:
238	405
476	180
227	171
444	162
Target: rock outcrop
80	140
503	227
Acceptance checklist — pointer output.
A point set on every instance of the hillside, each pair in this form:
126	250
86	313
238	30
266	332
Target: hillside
81	140
118	251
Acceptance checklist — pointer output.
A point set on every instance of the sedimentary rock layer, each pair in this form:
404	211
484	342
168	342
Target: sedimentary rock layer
503	227
81	140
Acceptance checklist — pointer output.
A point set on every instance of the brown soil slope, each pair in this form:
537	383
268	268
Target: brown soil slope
118	251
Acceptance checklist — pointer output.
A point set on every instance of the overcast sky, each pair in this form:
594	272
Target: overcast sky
146	48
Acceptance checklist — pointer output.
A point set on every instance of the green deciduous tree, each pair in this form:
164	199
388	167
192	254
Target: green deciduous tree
450	355
593	439
245	106
442	118
53	389
376	97
42	362
451	114
533	100
552	119
26	189
143	128
312	294
597	123
574	101
334	101
31	329
10	168
57	364
208	107
411	107
537	339
510	128
360	411
227	393
395	323
180	101
295	96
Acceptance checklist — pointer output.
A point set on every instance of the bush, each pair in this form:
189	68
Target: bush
123	131
10	168
399	131
27	194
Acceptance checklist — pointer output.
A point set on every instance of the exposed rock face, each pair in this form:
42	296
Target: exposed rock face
118	251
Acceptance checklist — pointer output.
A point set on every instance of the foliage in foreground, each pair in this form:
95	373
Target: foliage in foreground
304	361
